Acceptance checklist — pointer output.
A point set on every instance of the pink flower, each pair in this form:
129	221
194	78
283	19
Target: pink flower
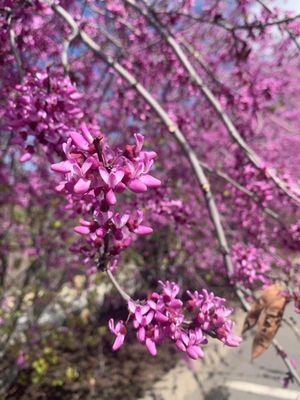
120	331
112	182
190	343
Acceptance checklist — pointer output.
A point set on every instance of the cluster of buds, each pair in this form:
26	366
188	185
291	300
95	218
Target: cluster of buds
251	268
93	176
187	324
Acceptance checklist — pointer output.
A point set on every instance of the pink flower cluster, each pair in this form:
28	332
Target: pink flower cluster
93	176
41	111
250	265
163	316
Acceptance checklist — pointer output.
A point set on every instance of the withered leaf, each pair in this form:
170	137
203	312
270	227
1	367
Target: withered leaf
252	316
272	304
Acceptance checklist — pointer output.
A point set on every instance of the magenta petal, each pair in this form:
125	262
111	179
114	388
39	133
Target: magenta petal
110	197
131	306
87	165
149	317
82	230
141	334
25	157
60	186
136	324
101	232
145	309
120	187
151	154
143	230
185	338
194	352
63	167
82	186
180	345
137	186
79	140
115	178
118	342
161	317
139	139
233	341
104	174
150	181
138	314
86	133
84	222
151	347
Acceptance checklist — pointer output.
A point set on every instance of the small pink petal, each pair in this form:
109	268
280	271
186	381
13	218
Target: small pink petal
82	230
150	181
79	140
137	186
110	197
141	334
101	232
86	133
60	186
84	222
138	315
63	167
131	306
143	230
25	157
139	139
82	186
194	352
161	317
149	317
118	176
87	165
104	174
118	342
151	347
180	345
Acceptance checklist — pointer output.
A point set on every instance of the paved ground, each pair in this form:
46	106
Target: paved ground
228	374
235	378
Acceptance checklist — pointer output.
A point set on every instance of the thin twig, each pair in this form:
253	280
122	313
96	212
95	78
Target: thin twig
12	39
242	189
292	326
124	295
66	44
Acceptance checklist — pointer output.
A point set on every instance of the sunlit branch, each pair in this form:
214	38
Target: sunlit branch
12	39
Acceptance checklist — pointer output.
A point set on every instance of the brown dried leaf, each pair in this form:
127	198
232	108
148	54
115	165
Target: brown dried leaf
270	294
273	303
252	316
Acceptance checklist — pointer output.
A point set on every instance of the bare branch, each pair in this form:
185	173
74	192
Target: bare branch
66	44
242	189
124	295
12	39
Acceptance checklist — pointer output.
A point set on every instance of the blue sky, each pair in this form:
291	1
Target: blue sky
293	5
